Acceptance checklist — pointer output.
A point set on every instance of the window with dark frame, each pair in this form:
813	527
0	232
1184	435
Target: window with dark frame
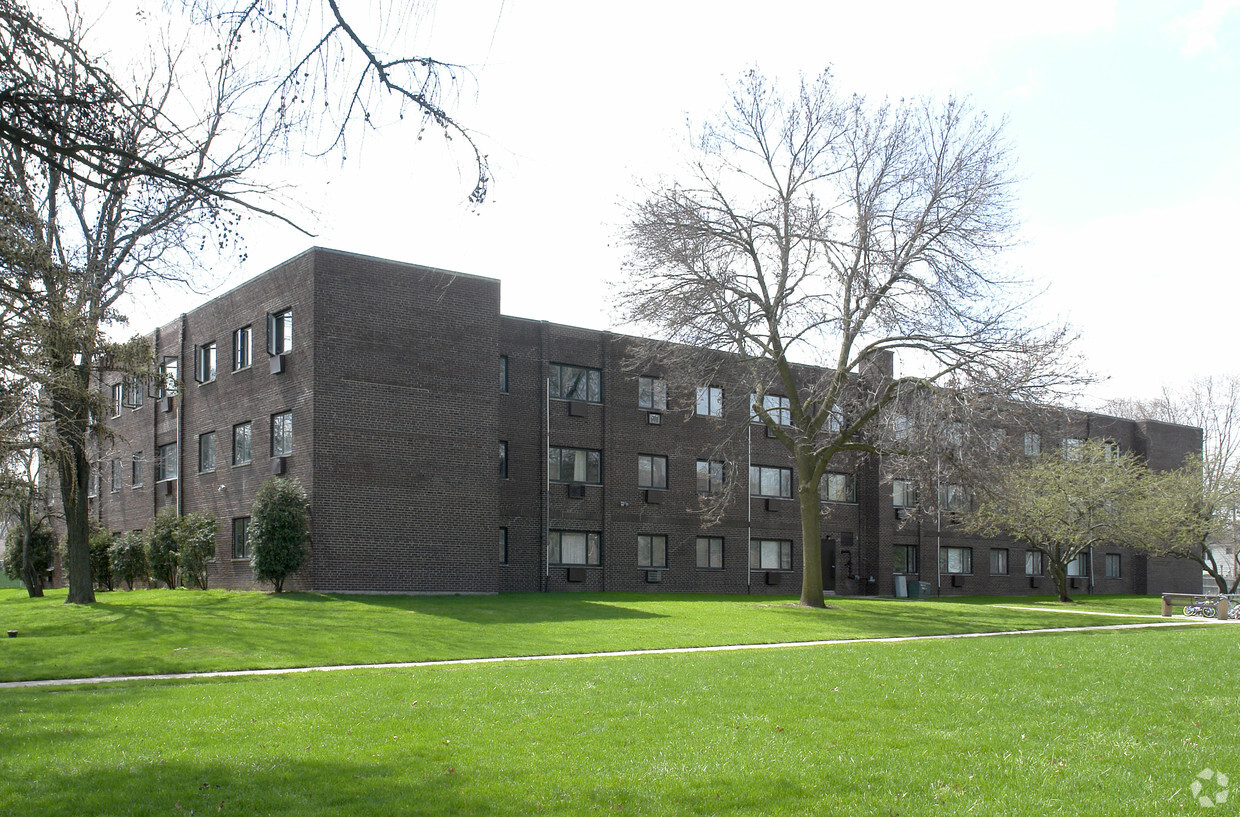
138	477
280	332
903	493
282	434
132	391
1079	566
503	459
905	559
838	487
770	554
206	452
503	546
1113	566
165	383
503	374
998	561
1033	444
241	537
710	553
777	407
709	401
569	547
1072	448
652	393
652	471
575	465
118	399
204	362
1034	563
956	561
651	550
117	479
167	464
242	437
709	476
568	382
243	348
770	481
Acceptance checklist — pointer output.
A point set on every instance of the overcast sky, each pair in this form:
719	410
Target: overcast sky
1124	118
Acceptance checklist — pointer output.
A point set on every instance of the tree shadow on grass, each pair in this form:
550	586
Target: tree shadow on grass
507	609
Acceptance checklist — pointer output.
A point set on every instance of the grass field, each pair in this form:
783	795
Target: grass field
1100	723
156	631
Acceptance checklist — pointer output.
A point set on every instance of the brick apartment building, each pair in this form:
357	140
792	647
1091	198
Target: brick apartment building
448	448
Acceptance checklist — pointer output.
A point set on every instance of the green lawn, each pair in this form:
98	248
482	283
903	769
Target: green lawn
154	631
1100	723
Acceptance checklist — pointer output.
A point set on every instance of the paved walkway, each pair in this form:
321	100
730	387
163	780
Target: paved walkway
239	673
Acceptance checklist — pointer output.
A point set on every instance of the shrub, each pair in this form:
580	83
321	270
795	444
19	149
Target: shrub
128	558
100	560
196	547
42	553
161	547
279	530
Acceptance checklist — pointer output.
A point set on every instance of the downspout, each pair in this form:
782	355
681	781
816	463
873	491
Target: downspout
748	510
152	448
938	530
180	419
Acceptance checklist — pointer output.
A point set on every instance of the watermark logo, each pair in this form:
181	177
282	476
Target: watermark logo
1209	789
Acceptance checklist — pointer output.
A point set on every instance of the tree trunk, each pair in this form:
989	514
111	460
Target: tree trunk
1059	575
31	577
74	485
811	543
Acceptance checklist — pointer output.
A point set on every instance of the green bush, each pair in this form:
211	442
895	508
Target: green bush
100	560
161	547
128	559
42	552
196	548
279	530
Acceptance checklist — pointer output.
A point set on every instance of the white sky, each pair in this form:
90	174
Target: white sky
1124	118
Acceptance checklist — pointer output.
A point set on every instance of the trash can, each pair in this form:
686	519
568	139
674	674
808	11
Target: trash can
901	587
919	590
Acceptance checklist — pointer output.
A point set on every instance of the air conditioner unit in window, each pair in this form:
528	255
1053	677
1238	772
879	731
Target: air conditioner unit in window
654	497
901	513
654	418
956	582
773	505
576	491
576	408
1033	584
278	364
576	574
170	487
165	404
773	578
279	465
654	576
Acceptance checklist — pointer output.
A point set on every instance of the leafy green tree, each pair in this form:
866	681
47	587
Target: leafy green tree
100	558
128	558
1063	503
40	549
196	547
279	530
162	541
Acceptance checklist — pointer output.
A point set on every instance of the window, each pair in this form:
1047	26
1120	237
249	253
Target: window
131	391
503	459
116	475
652	393
280	332
243	348
904	493
956	561
575	465
503	546
838	487
905	560
1033	562
651	551
206	451
651	471
953	498
241	444
92	482
568	547
282	434
165	384
1072	449
576	383
1033	444
710	553
204	362
1110	451
767	480
1079	566
117	399
167	463
503	374
241	538
709	476
996	439
998	561
139	471
770	554
709	401
777	406
1112	566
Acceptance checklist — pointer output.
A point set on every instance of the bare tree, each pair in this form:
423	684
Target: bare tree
817	226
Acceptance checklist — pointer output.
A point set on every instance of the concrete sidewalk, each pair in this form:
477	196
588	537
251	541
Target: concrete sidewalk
241	673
